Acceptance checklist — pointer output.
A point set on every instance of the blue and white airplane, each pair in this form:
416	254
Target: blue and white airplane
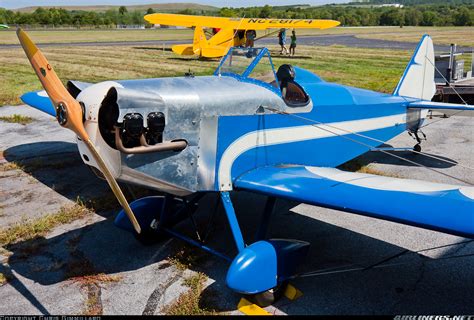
248	127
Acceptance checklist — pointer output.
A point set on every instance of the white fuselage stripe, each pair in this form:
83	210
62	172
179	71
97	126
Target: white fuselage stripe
268	137
382	183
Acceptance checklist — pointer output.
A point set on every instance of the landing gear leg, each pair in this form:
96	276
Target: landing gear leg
415	135
260	271
159	212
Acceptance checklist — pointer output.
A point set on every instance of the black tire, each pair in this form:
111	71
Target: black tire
267	298
149	236
417	148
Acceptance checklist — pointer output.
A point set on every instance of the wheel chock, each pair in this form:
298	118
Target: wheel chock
250	309
292	293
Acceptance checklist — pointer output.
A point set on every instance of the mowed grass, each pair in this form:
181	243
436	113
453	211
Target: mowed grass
376	69
92	64
463	36
67	36
441	35
17	118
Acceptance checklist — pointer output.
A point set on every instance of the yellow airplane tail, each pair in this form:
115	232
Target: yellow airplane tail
199	40
216	47
183	49
214	52
220	43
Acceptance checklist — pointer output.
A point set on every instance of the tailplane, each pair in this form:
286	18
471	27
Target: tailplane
183	49
418	79
199	42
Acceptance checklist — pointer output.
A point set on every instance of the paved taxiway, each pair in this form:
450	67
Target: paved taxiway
428	282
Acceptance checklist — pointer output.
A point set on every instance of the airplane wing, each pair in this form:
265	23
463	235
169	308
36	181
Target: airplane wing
443	207
262	24
237	23
449	109
183	20
40	99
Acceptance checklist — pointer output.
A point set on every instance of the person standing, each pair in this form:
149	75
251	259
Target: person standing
282	40
250	35
293	43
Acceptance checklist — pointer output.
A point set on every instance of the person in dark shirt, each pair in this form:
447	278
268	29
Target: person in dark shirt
293	43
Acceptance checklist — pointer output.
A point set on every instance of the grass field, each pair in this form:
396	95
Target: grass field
441	35
461	36
65	36
374	69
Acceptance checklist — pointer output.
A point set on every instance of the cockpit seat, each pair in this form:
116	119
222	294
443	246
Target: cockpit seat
291	91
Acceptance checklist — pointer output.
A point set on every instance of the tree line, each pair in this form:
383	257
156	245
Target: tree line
357	15
413	2
62	17
443	14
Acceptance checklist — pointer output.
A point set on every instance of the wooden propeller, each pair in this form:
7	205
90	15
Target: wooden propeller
69	114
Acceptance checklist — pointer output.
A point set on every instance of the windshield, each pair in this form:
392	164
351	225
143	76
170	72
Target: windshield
238	60
249	63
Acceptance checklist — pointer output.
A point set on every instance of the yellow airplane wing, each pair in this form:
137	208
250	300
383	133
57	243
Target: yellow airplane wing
183	20
237	23
262	24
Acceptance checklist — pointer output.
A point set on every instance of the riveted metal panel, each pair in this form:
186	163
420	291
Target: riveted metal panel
191	106
207	154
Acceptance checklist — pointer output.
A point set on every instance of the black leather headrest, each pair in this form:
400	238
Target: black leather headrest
286	73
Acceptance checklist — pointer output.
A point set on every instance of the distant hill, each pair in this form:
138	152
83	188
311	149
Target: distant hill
413	2
293	6
158	7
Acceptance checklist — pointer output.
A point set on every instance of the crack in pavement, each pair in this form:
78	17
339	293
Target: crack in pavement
157	294
459	247
94	299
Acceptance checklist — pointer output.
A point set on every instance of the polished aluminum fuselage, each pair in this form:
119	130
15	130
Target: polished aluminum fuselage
191	106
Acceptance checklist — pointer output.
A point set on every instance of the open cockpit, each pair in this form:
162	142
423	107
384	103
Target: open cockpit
255	65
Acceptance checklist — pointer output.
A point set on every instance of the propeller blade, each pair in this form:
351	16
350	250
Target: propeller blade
69	114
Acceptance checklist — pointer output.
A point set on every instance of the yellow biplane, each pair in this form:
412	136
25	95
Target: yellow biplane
227	32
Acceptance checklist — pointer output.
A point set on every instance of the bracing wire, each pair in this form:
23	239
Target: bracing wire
414	151
452	87
267	35
230	43
319	125
449	84
383	263
381	141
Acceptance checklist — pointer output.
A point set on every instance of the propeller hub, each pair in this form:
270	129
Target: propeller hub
61	114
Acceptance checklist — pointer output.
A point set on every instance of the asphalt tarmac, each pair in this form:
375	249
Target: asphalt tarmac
432	272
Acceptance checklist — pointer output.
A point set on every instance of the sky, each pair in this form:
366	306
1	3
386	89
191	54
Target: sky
12	4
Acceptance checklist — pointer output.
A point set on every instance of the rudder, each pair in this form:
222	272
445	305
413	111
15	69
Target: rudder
199	39
418	79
